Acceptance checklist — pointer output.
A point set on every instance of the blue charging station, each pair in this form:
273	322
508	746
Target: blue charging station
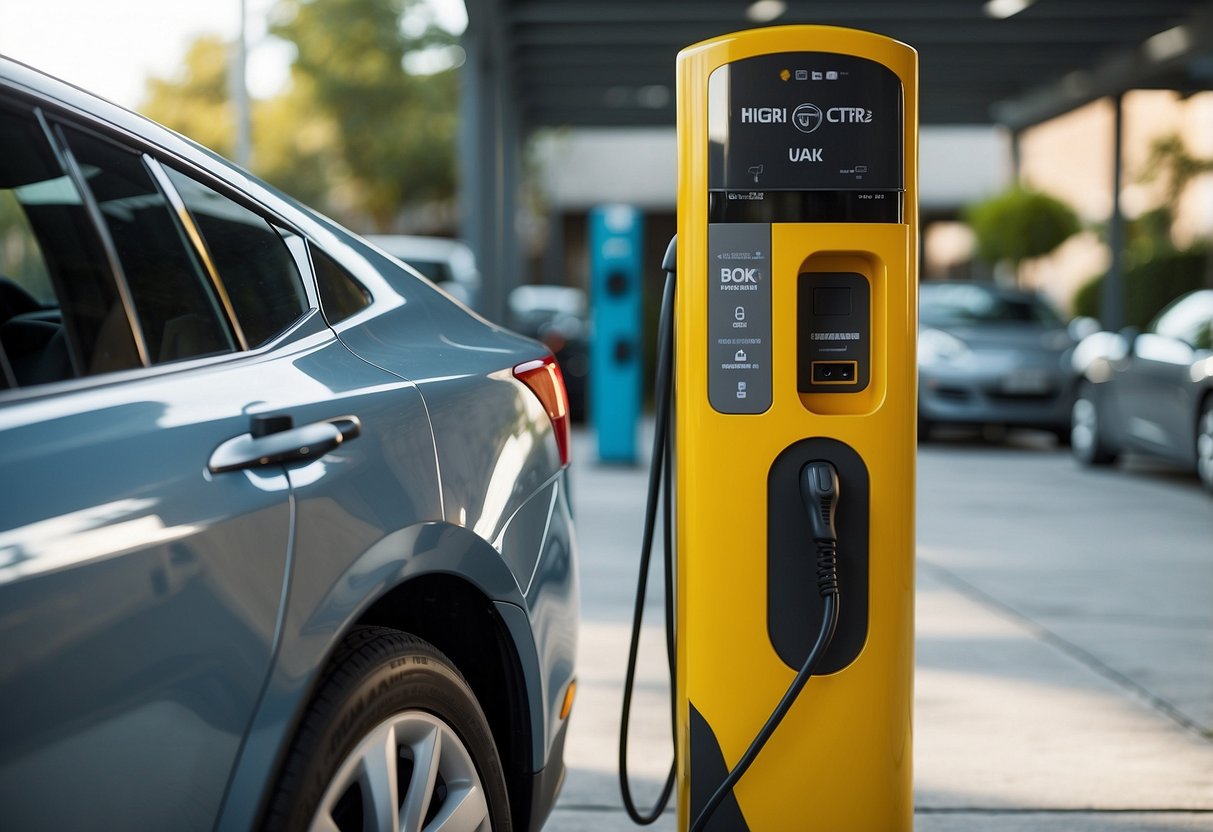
616	346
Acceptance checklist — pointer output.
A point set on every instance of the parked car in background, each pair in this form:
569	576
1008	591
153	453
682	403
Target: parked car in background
1151	391
448	264
992	356
285	540
558	316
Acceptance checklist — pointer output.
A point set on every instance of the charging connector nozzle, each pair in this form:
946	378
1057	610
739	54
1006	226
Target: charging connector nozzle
819	491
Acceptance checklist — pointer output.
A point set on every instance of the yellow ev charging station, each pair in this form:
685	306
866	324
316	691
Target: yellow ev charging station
793	328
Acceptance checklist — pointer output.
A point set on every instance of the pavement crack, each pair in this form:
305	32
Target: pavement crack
1069	648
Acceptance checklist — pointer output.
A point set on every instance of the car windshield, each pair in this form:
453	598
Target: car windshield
971	303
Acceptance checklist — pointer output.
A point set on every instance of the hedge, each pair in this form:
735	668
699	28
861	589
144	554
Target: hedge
1150	285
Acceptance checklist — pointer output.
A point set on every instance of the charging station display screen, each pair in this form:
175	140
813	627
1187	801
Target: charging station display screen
805	137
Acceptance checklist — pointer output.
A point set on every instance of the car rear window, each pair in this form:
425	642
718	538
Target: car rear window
253	262
60	311
341	296
110	260
177	309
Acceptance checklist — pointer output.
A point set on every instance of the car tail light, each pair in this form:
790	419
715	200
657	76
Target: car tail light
545	380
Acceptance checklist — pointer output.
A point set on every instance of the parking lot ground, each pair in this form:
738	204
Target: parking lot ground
1064	669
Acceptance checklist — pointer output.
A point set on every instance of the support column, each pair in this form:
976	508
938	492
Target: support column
1112	304
489	140
238	92
1016	155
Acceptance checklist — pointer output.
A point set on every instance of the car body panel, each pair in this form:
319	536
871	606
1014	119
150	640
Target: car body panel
455	462
489	424
449	264
551	601
149	582
1158	397
1149	387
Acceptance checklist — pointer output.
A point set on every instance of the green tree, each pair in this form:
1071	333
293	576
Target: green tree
294	147
354	134
1156	272
1170	161
1020	224
196	103
1151	284
395	131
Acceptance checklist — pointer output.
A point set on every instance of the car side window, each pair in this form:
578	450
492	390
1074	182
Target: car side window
340	294
177	310
1188	320
61	314
251	258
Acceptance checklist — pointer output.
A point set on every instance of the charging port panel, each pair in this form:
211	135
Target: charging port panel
834	332
835	372
793	603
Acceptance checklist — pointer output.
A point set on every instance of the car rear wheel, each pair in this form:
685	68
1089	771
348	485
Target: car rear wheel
1204	444
1087	441
394	739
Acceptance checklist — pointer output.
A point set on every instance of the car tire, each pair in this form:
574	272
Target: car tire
1087	441
394	730
1204	444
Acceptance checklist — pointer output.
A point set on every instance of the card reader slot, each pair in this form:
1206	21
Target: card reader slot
834	328
805	206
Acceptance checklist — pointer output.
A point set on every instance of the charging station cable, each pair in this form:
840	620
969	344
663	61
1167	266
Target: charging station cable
819	491
819	488
660	468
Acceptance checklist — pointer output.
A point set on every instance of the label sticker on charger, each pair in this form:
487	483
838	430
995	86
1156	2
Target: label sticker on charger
739	317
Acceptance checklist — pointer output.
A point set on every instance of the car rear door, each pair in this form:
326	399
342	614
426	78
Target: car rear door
144	530
1162	388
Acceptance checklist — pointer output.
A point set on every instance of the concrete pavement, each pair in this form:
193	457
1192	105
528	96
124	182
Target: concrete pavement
1064	667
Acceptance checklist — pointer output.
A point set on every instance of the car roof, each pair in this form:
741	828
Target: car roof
75	100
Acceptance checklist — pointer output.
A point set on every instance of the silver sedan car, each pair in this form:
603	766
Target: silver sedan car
1149	392
988	355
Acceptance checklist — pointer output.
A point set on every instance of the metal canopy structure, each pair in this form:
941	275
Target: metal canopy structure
541	63
611	62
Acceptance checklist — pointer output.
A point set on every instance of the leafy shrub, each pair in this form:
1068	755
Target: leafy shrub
1151	284
1019	224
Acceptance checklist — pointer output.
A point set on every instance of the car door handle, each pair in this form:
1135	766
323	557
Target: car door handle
292	445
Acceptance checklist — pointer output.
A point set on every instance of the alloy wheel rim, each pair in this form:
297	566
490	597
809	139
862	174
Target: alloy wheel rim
1083	425
411	773
1204	447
